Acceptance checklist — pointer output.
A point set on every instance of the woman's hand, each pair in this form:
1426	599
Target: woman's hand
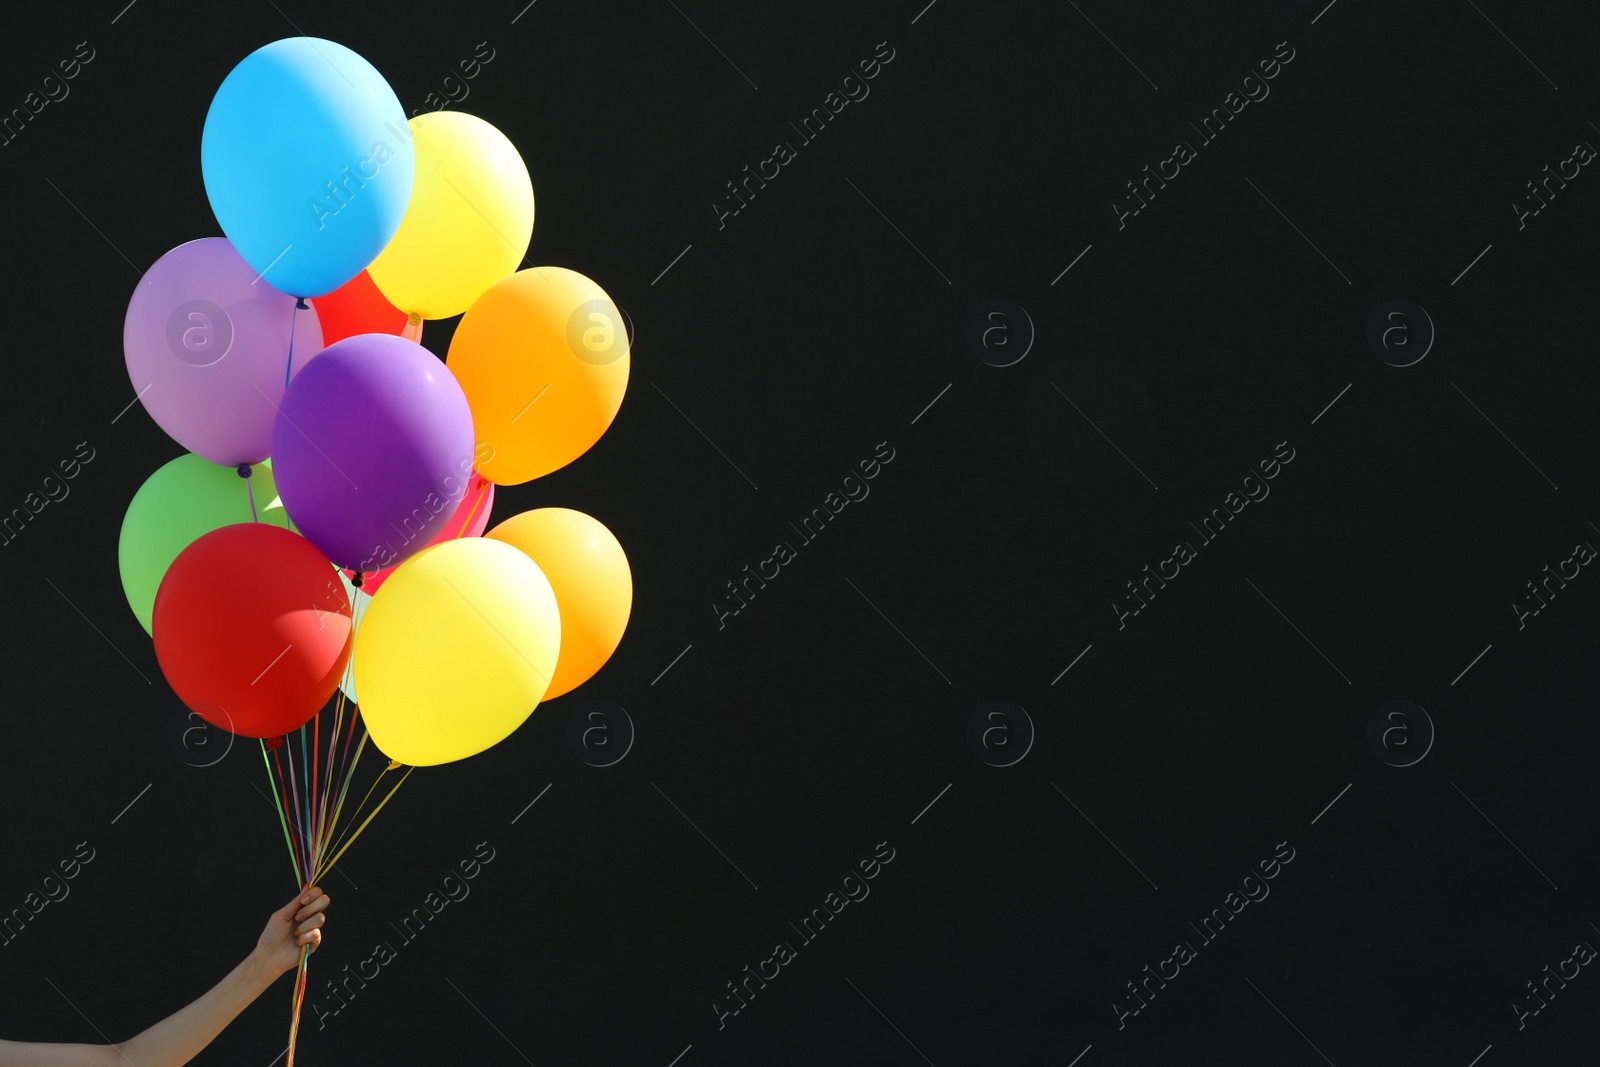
179	1038
295	924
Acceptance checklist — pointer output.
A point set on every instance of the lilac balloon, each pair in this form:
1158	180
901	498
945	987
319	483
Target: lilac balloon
372	449
207	345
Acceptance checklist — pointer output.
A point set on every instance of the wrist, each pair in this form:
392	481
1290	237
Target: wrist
259	969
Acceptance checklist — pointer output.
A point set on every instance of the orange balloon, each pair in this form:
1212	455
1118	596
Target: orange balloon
543	358
589	574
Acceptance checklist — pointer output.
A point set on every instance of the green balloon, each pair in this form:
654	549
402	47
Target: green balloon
185	499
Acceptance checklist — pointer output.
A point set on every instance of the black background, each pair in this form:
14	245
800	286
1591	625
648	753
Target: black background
1175	754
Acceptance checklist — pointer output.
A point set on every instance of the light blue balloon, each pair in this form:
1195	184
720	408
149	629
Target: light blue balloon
307	162
358	610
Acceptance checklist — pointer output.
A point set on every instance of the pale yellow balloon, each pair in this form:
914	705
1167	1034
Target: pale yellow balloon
468	223
456	649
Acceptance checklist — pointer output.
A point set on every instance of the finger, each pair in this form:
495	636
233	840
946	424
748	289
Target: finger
305	897
312	923
317	904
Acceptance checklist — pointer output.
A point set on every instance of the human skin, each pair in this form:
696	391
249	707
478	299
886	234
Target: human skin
178	1038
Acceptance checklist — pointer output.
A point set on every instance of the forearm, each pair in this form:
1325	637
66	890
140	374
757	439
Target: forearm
178	1038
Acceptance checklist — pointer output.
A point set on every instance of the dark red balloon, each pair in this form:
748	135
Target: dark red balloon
358	307
252	629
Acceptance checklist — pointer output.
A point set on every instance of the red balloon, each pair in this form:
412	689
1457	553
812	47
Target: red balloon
358	307
263	657
470	519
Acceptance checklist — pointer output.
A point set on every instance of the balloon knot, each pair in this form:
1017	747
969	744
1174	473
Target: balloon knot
394	763
356	579
244	470
300	303
414	318
274	743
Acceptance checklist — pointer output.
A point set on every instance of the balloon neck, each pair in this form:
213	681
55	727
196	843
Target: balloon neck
300	303
274	743
356	579
415	318
243	470
393	764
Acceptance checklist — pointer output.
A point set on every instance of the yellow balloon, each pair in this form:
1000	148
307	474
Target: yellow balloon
455	650
468	223
593	586
543	358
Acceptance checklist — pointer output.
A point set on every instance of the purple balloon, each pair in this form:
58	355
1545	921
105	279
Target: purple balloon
207	345
372	449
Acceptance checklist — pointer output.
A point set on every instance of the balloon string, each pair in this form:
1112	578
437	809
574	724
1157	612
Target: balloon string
392	765
305	776
338	844
289	805
294	859
282	799
347	764
297	1001
472	513
277	804
294	788
345	786
299	305
291	809
324	827
316	824
333	737
349	735
251	493
295	1004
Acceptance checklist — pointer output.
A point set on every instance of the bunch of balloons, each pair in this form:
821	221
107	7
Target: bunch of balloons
328	527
